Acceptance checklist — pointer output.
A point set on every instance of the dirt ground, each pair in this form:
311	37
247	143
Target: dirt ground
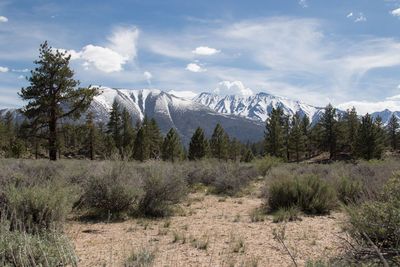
209	231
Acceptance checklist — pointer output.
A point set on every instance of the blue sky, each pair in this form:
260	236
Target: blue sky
345	52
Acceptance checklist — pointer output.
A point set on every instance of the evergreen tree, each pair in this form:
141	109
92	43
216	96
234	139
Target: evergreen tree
198	145
393	127
127	134
274	134
369	138
380	136
219	143
115	124
329	130
234	149
171	147
297	138
352	124
306	130
247	156
91	135
52	94
141	149
154	138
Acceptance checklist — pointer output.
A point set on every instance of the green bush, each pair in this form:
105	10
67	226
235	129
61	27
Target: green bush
112	194
37	208
310	194
43	249
161	189
349	190
379	219
266	163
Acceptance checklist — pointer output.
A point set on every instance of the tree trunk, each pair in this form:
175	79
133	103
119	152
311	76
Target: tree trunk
53	138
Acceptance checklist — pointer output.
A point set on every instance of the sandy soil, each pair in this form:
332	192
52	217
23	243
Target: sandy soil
224	225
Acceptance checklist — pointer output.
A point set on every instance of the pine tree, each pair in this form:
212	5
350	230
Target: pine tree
329	130
198	145
171	147
141	149
352	124
274	134
115	124
52	94
91	135
247	156
297	138
306	130
127	133
393	127
155	139
369	138
219	143
234	148
380	137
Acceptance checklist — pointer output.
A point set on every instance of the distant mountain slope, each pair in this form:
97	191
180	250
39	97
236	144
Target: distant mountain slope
257	107
170	111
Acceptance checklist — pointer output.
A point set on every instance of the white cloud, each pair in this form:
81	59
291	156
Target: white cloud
349	15
124	41
193	67
396	12
205	51
148	76
3	69
361	18
21	77
103	58
391	103
121	49
303	3
183	94
232	88
3	19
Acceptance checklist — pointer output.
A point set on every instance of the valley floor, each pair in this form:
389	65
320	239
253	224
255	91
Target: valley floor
220	228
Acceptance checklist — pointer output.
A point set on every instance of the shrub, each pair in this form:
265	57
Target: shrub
37	208
379	220
266	163
44	249
161	188
310	194
144	257
112	194
349	190
286	215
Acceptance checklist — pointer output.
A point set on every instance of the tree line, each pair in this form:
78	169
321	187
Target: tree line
54	99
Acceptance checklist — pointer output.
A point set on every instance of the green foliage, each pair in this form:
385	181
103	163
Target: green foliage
143	257
274	133
370	138
111	194
247	156
329	130
219	143
24	249
379	219
393	127
198	145
52	94
172	147
38	207
161	189
309	193
266	163
297	139
286	215
349	191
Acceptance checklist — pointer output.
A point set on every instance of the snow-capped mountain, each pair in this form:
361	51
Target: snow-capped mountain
170	111
257	107
386	115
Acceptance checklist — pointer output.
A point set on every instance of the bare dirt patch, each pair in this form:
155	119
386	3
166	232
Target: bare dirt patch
208	231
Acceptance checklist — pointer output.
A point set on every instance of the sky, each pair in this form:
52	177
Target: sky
343	52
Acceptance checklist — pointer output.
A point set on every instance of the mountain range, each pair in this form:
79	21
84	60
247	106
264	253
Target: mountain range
242	117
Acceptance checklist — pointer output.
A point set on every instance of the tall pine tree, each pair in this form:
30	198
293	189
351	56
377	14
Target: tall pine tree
392	128
329	130
171	147
53	95
198	145
274	134
219	143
